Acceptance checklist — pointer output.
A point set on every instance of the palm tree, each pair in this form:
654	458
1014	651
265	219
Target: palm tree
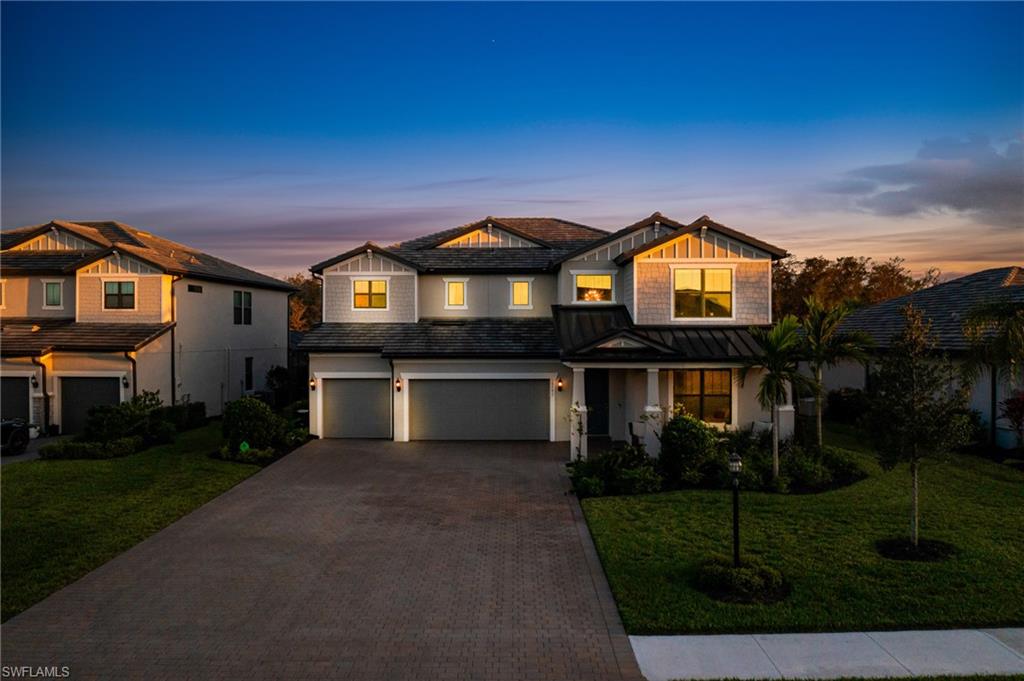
825	345
995	330
779	362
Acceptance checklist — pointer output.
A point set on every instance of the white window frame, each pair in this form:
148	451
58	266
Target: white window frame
710	266
573	287
45	283
242	291
465	292
372	277
512	281
103	294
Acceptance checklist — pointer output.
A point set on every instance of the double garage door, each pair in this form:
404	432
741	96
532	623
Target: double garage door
440	409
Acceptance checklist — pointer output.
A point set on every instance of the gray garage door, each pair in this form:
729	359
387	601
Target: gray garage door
479	409
15	398
356	407
80	394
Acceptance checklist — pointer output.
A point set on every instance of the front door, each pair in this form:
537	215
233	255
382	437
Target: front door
595	384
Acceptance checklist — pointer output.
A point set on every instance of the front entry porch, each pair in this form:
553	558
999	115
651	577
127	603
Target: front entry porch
614	403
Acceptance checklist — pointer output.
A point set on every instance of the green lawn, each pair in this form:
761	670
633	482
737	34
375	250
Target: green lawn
61	519
823	543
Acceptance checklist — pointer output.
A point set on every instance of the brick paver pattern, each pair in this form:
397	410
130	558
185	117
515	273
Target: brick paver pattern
352	560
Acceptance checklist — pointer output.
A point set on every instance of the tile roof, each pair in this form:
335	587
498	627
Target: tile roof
168	255
947	305
581	330
478	337
26	336
554	232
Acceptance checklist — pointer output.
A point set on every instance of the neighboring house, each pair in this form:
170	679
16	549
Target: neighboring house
946	306
94	312
507	328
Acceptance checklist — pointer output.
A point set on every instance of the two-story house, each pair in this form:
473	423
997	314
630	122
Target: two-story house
539	328
94	312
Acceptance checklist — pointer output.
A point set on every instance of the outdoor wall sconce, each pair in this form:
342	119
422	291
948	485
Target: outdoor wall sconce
398	385
312	384
124	381
559	384
35	382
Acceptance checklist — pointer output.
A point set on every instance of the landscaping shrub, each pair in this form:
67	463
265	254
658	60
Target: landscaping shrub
250	420
847	405
184	415
138	416
74	449
690	452
260	457
751	582
108	422
803	469
296	437
625	470
155	431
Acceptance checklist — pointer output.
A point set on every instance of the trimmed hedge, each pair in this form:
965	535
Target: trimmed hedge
251	421
751	582
72	449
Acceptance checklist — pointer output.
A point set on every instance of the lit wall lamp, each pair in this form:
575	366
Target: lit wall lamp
35	382
398	385
124	381
312	384
559	384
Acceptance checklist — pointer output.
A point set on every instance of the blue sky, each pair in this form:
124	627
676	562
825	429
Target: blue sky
278	134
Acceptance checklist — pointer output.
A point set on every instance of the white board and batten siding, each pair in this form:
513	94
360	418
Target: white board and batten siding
711	246
369	264
119	264
491	237
402	290
614	249
56	240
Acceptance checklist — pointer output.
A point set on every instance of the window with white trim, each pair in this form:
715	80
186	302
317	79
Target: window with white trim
119	295
705	394
702	293
455	294
520	294
370	294
594	288
53	295
243	307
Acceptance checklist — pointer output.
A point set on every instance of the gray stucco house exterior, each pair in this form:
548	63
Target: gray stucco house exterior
540	328
94	312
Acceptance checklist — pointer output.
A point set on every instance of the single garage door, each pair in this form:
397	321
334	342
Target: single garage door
356	407
80	394
15	398
479	409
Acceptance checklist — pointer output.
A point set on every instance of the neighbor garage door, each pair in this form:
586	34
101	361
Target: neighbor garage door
479	409
80	394
356	407
15	397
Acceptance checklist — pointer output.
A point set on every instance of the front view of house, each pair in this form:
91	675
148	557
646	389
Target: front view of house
540	329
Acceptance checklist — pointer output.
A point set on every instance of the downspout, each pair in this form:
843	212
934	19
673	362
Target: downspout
46	397
174	347
135	372
391	389
994	397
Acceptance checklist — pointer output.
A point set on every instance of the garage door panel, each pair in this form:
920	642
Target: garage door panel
356	408
472	409
16	403
80	394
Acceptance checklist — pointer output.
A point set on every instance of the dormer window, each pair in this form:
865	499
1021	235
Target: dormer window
53	294
369	294
704	293
118	295
594	288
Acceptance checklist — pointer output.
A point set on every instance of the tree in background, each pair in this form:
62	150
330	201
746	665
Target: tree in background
824	345
914	412
779	362
995	330
856	281
304	304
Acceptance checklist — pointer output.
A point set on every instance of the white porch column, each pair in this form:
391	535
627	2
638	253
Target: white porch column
787	416
652	415
578	417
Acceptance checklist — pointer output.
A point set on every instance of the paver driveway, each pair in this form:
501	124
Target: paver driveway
352	560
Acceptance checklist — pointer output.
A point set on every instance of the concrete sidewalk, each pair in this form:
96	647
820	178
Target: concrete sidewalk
822	656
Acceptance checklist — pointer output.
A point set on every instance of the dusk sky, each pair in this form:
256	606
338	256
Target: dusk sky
276	135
